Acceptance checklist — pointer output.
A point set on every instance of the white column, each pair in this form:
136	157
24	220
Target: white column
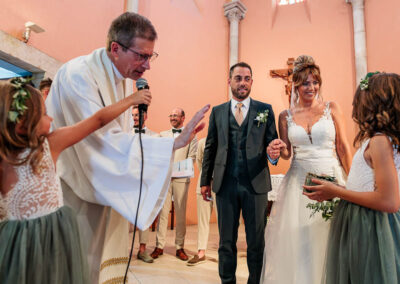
234	11
131	6
360	46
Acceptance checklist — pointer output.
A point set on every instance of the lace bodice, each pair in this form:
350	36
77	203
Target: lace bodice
33	195
361	177
319	143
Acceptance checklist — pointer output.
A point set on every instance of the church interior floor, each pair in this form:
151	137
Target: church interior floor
168	269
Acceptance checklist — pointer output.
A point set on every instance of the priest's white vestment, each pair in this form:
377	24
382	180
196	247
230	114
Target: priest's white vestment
101	174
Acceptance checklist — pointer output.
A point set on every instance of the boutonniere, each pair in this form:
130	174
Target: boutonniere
262	117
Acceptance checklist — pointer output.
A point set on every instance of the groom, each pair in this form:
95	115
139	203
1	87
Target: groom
235	157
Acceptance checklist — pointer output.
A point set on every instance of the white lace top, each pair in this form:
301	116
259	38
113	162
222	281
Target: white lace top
33	195
361	177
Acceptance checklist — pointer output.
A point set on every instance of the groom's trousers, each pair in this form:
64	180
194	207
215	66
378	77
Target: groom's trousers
237	194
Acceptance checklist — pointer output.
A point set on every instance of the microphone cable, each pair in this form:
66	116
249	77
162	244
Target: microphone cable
140	195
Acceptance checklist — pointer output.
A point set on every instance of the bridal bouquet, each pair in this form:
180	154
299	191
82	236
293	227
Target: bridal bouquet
325	207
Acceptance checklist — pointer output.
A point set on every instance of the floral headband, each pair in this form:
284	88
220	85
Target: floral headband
365	82
18	106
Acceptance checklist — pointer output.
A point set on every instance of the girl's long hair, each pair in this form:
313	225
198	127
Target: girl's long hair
13	143
377	108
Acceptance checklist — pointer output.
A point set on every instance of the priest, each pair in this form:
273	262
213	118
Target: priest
100	175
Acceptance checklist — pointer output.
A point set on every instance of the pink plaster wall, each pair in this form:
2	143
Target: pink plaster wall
383	35
72	28
192	68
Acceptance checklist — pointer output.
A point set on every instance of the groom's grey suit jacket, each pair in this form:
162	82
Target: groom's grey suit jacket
257	140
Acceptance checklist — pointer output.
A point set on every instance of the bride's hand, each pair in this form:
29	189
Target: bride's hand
325	190
275	147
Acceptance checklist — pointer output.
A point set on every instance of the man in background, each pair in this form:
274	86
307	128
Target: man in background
204	210
178	190
143	235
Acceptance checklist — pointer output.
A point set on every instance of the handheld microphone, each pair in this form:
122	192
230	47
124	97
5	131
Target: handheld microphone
141	84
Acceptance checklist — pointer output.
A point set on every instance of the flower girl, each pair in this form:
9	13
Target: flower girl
364	240
39	238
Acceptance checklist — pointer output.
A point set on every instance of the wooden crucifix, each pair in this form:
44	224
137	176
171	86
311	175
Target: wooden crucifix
285	74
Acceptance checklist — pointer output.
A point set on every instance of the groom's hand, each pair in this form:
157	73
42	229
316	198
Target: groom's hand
206	192
274	148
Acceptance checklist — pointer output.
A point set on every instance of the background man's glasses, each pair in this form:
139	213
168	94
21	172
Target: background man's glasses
174	116
142	57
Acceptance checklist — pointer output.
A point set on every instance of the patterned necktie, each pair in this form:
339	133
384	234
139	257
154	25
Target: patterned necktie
141	131
239	114
176	130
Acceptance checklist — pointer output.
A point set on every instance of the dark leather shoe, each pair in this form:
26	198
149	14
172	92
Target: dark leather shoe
180	253
156	253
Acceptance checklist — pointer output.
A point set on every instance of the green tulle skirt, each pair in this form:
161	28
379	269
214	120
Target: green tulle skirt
42	250
363	246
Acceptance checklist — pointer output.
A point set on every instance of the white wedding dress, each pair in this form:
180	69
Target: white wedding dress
295	243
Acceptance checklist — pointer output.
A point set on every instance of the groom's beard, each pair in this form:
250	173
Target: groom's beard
241	96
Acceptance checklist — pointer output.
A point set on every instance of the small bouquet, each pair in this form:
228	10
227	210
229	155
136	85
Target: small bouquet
325	207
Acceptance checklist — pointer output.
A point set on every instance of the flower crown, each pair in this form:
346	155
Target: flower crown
18	106
365	82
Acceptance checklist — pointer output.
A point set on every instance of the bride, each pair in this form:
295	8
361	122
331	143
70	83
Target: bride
295	242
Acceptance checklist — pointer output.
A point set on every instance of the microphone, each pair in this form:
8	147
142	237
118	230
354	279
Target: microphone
141	84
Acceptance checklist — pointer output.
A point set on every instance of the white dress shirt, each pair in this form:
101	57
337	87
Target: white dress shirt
245	106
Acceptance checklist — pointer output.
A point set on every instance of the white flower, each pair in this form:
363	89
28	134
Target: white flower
262	117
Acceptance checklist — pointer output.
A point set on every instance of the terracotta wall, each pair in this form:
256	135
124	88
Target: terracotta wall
192	68
383	35
72	28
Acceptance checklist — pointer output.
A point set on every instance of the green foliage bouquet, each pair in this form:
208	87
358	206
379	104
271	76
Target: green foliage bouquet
325	207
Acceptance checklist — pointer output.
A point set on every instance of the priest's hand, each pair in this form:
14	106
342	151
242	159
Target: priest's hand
191	129
141	97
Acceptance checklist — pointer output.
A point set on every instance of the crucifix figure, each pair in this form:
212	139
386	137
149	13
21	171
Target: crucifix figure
285	74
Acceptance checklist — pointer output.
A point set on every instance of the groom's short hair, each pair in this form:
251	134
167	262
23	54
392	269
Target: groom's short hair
240	64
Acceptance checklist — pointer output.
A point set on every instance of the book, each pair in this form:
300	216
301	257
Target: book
183	169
